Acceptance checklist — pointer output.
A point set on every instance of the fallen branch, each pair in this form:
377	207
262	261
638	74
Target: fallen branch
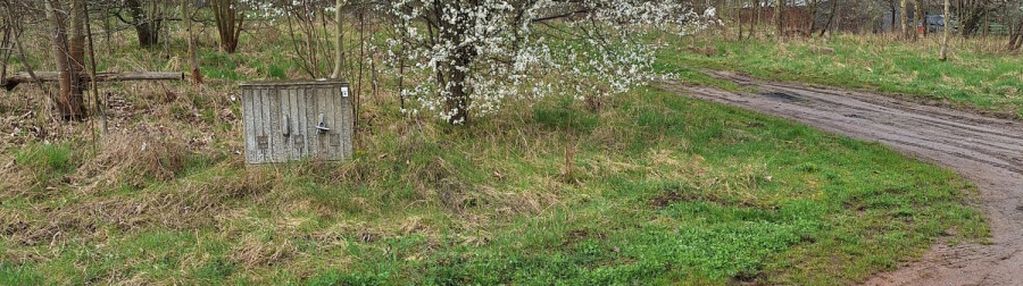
23	77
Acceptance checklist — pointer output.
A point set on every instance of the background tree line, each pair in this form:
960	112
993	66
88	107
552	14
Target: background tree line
453	57
450	57
967	18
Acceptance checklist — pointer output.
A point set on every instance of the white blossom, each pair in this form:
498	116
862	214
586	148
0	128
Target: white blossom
515	50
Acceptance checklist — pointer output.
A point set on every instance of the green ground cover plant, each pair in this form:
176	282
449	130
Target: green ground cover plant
652	188
978	75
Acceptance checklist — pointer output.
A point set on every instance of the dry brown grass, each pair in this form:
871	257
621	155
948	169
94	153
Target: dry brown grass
255	252
12	178
186	205
135	157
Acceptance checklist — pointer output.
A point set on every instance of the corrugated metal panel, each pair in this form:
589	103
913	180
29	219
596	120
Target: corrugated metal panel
286	121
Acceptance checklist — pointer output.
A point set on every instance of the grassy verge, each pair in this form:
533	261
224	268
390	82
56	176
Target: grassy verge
662	190
976	76
653	189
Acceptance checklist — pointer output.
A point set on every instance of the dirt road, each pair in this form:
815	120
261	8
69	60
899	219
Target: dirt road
988	151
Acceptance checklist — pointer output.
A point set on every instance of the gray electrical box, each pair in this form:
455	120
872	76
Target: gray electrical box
295	120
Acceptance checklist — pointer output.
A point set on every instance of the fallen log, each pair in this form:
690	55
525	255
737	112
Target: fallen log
23	77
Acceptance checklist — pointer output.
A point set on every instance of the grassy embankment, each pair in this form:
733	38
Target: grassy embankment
661	190
977	75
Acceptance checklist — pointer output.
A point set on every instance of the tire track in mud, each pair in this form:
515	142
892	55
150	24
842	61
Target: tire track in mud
988	151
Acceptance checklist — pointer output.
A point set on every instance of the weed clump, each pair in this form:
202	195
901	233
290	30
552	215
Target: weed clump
189	204
133	159
253	252
38	167
12	178
46	158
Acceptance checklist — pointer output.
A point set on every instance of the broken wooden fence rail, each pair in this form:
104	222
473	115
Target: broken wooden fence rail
23	77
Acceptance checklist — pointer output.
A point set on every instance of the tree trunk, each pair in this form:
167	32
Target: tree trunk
148	35
831	18
454	75
813	18
903	18
1016	39
754	18
457	100
229	20
76	60
146	23
779	8
6	47
944	38
193	57
837	24
69	55
987	25
339	53
921	20
738	20
971	21
99	106
362	61
108	30
895	14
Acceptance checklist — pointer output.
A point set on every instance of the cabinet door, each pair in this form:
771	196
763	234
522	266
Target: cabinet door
275	125
257	132
293	121
325	126
347	121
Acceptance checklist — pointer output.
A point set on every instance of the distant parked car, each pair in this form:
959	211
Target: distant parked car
936	23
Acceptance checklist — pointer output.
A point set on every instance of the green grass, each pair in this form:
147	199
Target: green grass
46	158
46	162
666	190
976	75
661	190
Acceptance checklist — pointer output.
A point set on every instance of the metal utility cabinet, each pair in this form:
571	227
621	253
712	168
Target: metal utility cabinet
286	121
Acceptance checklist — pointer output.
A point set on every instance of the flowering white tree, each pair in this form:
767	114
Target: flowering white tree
471	55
